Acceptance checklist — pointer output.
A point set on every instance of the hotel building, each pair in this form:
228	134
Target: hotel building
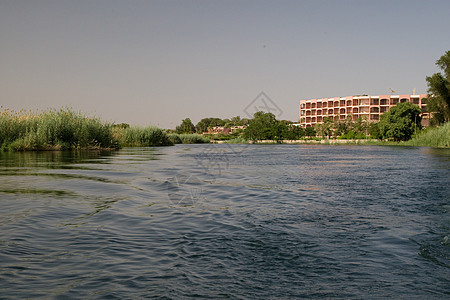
315	111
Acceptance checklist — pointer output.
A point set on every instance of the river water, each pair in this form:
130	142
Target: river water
231	222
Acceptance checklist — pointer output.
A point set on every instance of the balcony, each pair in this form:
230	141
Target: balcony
349	103
374	110
364	110
364	102
384	102
394	101
374	102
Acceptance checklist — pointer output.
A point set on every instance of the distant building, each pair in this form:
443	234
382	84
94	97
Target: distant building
223	130
315	111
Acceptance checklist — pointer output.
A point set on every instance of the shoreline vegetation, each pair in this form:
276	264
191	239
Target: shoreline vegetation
65	129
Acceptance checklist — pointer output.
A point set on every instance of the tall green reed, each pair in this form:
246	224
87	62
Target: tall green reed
53	130
432	137
142	137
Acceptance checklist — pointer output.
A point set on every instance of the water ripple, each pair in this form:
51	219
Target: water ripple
275	221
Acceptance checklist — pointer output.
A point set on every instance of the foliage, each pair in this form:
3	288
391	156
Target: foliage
344	128
186	126
438	101
400	122
294	133
142	137
53	130
121	125
193	138
263	126
174	138
432	137
374	131
325	128
205	123
310	131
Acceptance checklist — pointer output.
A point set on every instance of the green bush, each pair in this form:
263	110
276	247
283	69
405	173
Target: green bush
142	137
193	138
175	138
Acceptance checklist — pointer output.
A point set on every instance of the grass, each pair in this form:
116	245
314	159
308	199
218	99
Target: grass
65	129
53	130
192	139
432	137
141	137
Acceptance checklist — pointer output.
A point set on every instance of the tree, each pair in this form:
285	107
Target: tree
438	100
325	128
309	131
205	123
400	122
261	127
295	133
186	126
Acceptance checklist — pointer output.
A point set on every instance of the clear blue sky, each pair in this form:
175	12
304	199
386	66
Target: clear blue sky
158	62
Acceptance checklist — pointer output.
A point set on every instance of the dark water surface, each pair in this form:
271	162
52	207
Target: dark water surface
218	221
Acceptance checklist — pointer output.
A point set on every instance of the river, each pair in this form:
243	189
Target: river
226	222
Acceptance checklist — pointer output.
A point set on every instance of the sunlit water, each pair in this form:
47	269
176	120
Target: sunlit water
219	221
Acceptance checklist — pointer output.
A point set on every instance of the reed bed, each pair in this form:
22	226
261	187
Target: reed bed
53	130
175	138
193	138
142	137
432	137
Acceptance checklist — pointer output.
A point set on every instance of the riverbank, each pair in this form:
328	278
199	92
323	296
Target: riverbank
65	129
53	130
430	137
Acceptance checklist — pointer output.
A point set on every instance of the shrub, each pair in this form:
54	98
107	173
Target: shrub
193	138
142	137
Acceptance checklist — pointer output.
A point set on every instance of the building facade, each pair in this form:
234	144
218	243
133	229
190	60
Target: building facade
315	111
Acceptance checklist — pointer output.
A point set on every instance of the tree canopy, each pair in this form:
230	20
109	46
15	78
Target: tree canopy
438	101
400	122
186	126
